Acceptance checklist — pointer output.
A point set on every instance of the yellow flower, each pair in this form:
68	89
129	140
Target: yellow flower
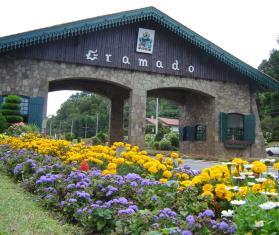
276	166
207	194
186	183
163	180
256	188
105	172
185	176
174	155
208	187
111	166
167	174
159	157
259	167
153	170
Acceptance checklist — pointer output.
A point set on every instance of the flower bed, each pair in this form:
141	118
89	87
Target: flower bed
134	193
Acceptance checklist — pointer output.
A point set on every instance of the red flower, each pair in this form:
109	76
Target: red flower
84	166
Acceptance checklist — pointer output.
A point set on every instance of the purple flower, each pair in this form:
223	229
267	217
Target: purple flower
166	213
132	177
128	211
83	194
133	207
70	186
207	213
190	219
134	184
223	226
72	200
154	198
186	232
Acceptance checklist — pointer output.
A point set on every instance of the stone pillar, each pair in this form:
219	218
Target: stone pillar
257	150
116	120
137	113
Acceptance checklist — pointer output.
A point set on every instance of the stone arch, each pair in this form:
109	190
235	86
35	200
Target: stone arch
197	108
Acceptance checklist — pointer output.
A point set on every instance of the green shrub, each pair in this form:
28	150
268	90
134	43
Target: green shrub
10	112
10	106
103	137
173	138
3	123
20	128
11	109
96	140
70	136
165	144
14	119
162	130
13	99
156	145
149	140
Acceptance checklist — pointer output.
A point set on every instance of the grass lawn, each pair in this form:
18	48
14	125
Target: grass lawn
21	214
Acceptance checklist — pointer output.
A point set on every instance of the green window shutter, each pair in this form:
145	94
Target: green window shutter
223	126
182	133
190	133
250	128
35	112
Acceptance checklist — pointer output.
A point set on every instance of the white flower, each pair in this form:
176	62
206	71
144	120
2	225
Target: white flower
248	166
260	180
235	188
271	160
238	202
228	213
259	224
243	177
268	205
251	177
246	173
269	194
270	174
251	183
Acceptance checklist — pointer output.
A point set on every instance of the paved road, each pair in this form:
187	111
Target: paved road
199	164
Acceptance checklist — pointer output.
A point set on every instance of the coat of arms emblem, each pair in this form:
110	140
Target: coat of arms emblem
145	40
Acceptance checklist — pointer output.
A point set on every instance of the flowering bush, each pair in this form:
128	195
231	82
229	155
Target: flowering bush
131	192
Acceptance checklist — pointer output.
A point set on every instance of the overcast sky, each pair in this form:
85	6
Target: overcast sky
248	29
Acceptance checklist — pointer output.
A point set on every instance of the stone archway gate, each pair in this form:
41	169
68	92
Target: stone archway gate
132	54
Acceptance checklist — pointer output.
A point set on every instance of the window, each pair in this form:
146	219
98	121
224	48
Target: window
235	128
192	133
200	132
24	106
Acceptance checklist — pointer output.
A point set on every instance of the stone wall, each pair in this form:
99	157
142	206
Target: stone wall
202	100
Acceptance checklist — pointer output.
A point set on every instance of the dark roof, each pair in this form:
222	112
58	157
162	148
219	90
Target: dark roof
149	13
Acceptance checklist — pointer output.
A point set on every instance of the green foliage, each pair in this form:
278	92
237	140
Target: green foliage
13	119
149	140
81	110
18	129
269	109
162	130
14	99
3	123
173	137
103	137
247	215
69	136
96	140
165	144
11	109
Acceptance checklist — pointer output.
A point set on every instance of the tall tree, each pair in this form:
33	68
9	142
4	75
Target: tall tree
269	111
